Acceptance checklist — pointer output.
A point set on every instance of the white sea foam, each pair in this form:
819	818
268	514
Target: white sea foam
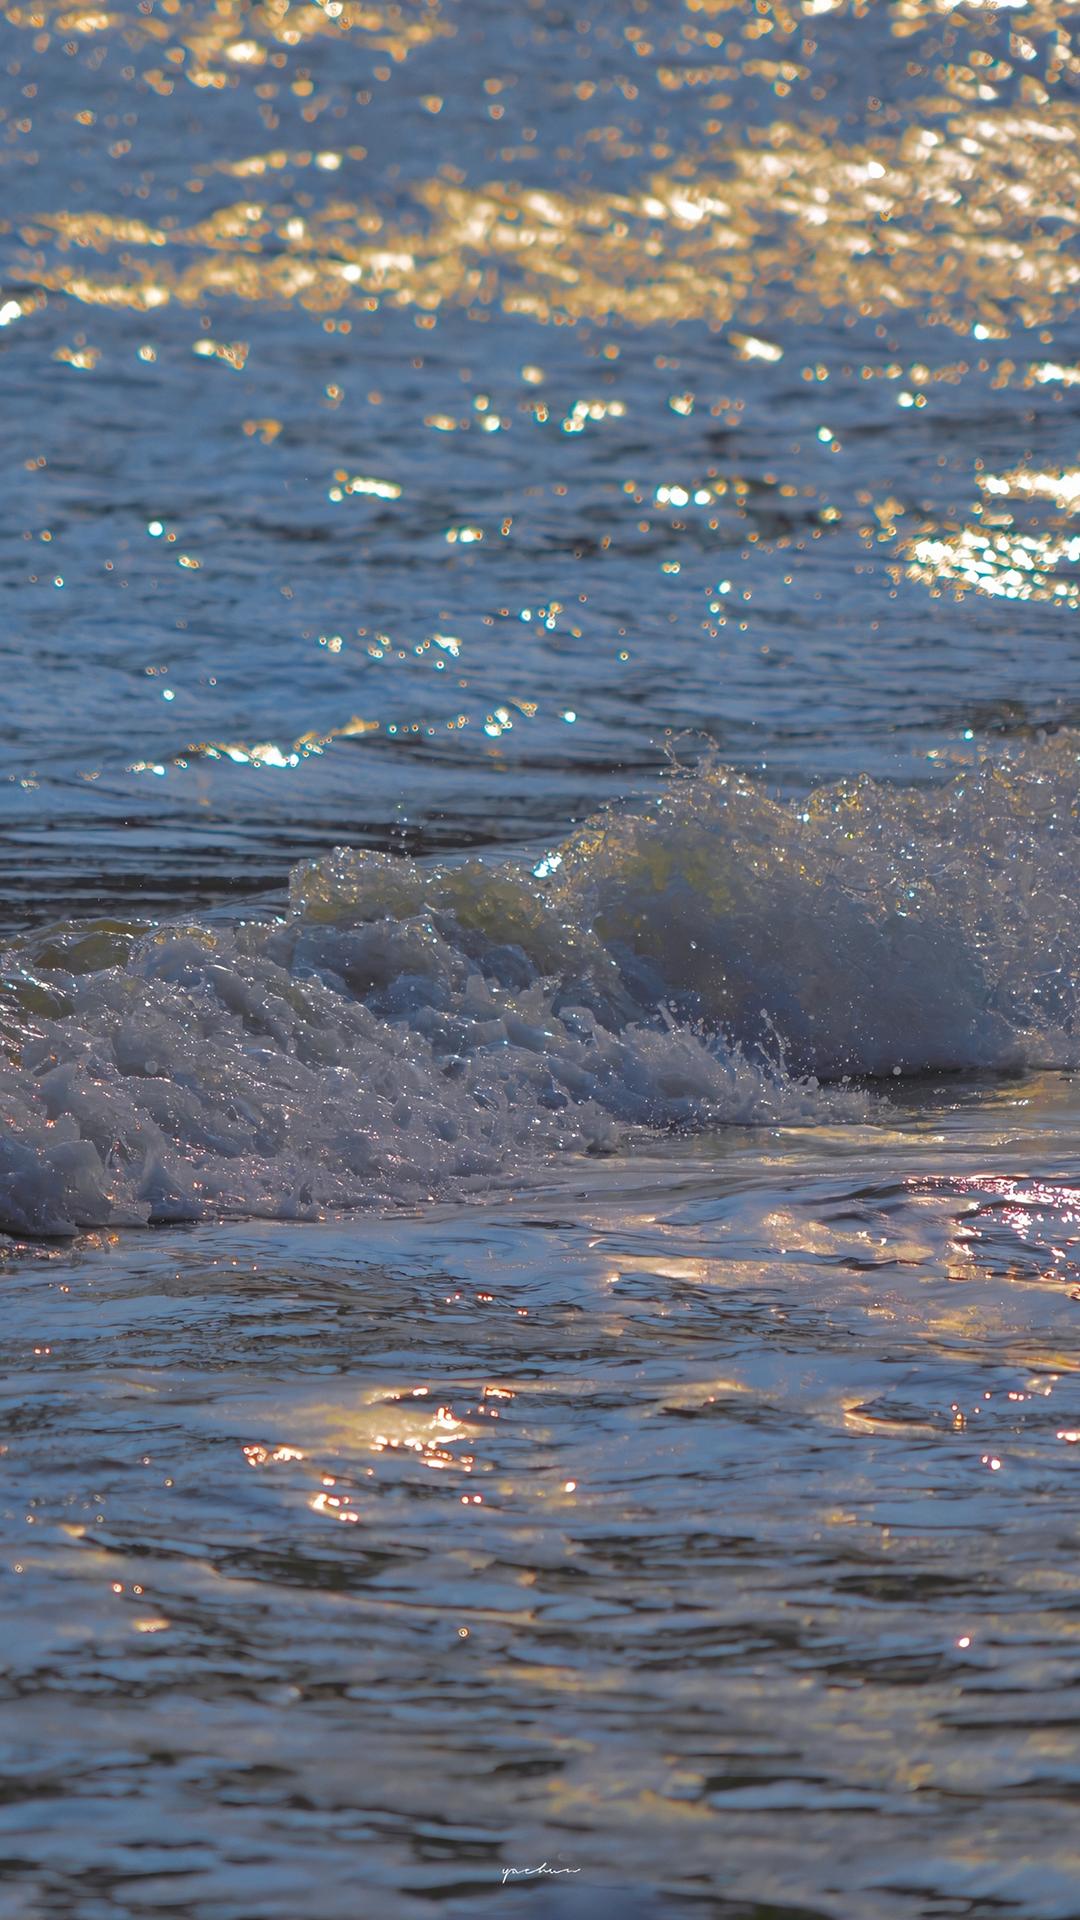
408	1030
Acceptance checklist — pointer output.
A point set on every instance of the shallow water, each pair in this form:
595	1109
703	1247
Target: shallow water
558	1349
707	1529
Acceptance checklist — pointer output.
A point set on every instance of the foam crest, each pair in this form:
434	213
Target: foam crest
876	929
409	1030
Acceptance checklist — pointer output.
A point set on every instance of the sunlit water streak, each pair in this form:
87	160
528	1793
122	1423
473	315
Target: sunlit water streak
619	1443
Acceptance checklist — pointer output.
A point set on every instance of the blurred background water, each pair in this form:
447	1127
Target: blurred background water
386	387
423	424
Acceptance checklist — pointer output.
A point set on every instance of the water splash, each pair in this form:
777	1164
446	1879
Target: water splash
408	1029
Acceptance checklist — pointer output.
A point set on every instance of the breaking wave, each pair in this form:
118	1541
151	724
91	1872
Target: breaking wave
406	1030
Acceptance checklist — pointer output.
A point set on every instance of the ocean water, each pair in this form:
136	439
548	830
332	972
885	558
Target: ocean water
539	999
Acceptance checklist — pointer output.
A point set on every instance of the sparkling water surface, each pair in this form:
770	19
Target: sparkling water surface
426	424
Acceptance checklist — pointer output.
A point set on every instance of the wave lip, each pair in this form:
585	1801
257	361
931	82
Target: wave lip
404	1031
874	929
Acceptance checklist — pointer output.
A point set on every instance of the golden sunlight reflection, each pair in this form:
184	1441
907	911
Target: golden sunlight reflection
203	46
265	753
405	1425
870	226
1024	483
1000	562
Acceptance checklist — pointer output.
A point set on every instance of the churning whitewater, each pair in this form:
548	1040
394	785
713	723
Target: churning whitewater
407	1030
